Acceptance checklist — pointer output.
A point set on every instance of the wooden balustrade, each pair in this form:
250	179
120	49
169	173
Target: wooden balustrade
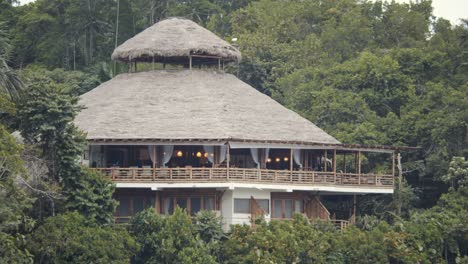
174	175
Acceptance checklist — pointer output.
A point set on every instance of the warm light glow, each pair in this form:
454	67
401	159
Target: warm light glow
206	155
286	158
277	159
199	154
179	153
268	160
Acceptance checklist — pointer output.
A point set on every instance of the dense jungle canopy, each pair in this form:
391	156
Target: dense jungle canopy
367	72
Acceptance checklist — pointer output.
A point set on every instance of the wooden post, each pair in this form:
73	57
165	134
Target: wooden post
400	171
152	64
219	64
291	164
228	159
136	67
157	203
344	162
326	162
354	209
393	168
359	166
334	165
190	62
154	162
400	183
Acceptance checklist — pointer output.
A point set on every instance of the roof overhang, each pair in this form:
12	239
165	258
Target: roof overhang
246	143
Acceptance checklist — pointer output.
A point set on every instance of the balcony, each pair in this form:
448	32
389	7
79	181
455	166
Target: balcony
246	175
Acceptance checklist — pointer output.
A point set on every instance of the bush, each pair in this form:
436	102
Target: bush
69	238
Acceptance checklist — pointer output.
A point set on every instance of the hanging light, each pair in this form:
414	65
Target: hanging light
286	158
277	159
179	153
205	155
199	154
268	160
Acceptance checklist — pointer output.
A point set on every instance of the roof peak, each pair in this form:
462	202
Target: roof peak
175	40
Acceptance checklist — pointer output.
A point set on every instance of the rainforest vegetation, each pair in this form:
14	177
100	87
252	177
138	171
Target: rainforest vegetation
367	72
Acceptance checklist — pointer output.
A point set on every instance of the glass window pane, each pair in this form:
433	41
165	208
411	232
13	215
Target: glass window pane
209	203
278	210
288	208
150	202
138	205
168	206
298	206
195	205
123	208
242	206
182	203
264	204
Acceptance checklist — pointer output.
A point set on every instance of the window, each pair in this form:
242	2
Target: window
131	205
182	203
168	206
138	204
288	208
124	207
285	208
209	203
193	204
242	206
264	204
277	208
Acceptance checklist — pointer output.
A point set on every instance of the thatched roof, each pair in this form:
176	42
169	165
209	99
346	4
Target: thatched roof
190	105
173	40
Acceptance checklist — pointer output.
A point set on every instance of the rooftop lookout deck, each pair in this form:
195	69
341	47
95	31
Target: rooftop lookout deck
217	164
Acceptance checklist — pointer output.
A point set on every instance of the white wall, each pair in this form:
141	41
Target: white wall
227	205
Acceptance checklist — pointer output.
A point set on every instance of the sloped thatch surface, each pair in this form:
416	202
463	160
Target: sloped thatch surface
189	105
173	40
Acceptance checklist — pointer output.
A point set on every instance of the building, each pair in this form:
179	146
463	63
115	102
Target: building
179	131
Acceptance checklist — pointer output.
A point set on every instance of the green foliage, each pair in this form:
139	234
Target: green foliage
209	228
69	238
45	117
10	84
457	173
91	194
14	203
172	239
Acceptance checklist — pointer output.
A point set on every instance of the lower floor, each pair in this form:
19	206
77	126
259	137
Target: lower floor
235	206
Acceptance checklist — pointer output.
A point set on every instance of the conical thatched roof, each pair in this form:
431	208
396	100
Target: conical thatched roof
190	105
173	40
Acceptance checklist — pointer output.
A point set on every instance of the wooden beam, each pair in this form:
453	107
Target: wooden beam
359	166
291	163
228	159
334	165
344	162
190	62
157	203
154	161
326	162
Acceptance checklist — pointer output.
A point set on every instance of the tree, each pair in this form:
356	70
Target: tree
10	84
71	238
169	240
15	203
46	116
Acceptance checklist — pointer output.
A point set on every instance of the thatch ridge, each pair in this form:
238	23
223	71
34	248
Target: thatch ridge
173	40
188	104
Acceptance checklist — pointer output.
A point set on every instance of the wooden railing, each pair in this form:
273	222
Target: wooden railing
180	175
